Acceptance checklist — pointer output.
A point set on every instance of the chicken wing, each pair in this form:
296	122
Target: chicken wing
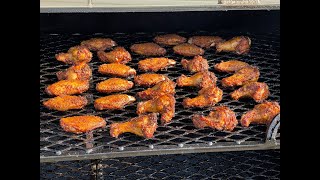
241	77
197	64
116	101
66	102
81	71
67	87
75	55
221	118
148	49
165	105
160	89
118	55
230	66
261	114
155	64
149	79
258	91
82	124
207	97
144	125
114	85
169	39
238	45
187	49
98	44
205	41
115	69
201	79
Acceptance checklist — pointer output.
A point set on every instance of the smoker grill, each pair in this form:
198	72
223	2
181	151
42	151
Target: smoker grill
179	136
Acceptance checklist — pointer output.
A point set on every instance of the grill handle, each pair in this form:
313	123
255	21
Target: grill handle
273	129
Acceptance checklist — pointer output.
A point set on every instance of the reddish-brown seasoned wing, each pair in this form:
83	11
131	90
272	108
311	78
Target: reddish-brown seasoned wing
169	39
201	79
66	102
238	45
82	124
116	101
114	85
118	55
221	118
230	66
242	77
81	71
75	55
67	87
162	88
261	114
115	69
165	105
187	49
99	44
148	49
205	41
149	79
207	97
144	126
155	64
258	91
197	64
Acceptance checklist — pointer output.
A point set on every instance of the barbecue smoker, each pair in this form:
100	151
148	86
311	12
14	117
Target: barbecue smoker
178	150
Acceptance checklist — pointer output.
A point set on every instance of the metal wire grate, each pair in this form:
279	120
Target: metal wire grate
179	135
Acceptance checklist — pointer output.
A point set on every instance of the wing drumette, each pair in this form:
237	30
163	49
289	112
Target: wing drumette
66	102
239	45
144	125
261	114
241	77
116	69
187	49
200	79
205	41
118	55
75	55
230	66
149	79
81	71
148	49
67	87
207	97
259	91
116	101
197	64
162	88
169	39
114	85
82	124
98	44
155	64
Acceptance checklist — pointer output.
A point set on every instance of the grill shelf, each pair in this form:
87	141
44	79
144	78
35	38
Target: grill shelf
179	136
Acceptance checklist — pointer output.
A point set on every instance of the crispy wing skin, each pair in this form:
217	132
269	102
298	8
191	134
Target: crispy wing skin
82	124
160	89
169	39
201	79
149	79
261	114
258	91
165	105
67	87
81	71
221	118
144	126
197	64
205	41
116	101
230	66
114	85
148	49
115	69
118	55
98	44
238	45
66	102
187	49
75	55
207	97
241	77
155	64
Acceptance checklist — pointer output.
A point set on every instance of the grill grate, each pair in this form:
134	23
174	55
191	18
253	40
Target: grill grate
179	135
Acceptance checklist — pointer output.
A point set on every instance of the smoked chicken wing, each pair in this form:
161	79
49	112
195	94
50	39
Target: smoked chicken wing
187	49
162	88
258	91
155	64
238	45
114	85
261	114
221	118
144	125
82	124
201	79
67	87
165	105
230	66
80	71
115	69
75	55
205	41
169	39
241	77
207	97
118	55
197	64
148	49
98	44
116	101
149	79
66	102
